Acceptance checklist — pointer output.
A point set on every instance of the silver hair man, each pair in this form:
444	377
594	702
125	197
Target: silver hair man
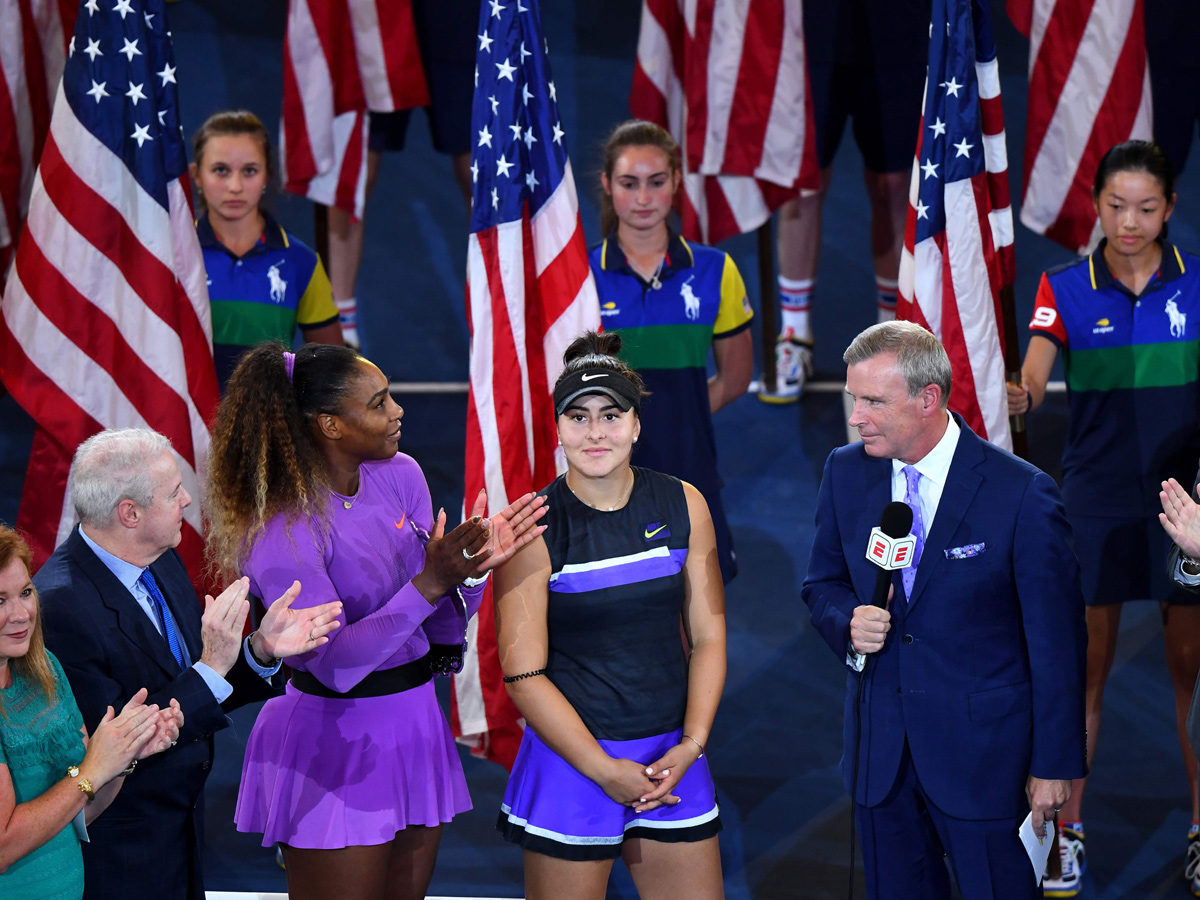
920	356
113	466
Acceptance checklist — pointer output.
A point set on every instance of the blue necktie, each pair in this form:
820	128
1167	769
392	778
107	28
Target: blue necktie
164	616
912	497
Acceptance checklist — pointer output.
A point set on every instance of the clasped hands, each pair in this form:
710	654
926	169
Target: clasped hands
478	545
645	787
283	631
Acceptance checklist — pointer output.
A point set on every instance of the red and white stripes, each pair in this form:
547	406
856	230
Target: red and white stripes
951	278
1089	88
529	294
105	322
33	44
342	58
727	79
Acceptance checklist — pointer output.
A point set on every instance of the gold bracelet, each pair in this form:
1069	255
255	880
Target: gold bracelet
697	743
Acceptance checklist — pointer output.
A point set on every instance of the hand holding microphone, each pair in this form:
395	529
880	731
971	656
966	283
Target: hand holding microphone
890	547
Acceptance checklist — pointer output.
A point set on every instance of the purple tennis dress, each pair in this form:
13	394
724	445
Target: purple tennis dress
324	773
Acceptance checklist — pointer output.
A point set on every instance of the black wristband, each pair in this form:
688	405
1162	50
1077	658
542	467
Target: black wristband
509	679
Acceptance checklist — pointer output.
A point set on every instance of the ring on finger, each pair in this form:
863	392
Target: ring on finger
469	557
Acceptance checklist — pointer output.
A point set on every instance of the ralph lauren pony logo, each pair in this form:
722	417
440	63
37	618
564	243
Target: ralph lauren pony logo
656	531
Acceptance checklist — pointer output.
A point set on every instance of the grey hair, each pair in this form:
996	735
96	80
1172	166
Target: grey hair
920	356
113	466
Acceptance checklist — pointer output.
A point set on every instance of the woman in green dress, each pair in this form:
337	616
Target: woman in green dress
53	778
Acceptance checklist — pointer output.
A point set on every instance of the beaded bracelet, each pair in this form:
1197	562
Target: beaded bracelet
509	679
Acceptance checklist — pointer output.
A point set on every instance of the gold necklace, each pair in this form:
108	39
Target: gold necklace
624	495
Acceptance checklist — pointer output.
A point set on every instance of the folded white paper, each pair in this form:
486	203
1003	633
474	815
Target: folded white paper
1036	846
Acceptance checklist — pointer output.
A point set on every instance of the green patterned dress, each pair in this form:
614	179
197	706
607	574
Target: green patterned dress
37	743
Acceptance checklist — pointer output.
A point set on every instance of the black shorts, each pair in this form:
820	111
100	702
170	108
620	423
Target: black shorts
866	62
1125	559
446	35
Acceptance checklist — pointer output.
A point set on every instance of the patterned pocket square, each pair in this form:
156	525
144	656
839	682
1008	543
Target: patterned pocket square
966	551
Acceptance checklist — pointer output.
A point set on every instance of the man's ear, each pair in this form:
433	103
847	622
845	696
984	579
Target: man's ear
128	514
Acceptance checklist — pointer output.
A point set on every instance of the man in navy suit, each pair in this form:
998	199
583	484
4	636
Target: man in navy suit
972	710
118	611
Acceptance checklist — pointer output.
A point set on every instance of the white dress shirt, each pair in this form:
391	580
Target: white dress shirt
934	467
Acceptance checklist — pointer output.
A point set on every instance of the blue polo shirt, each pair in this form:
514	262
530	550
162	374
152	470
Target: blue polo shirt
666	335
1132	365
262	296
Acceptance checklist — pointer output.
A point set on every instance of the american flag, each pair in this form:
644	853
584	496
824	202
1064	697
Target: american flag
105	316
958	251
33	48
529	294
728	79
342	58
1089	88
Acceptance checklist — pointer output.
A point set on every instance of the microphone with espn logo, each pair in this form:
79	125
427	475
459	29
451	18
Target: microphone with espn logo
891	547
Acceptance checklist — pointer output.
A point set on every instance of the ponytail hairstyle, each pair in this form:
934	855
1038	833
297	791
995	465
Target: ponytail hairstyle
228	123
34	665
264	460
1136	156
634	133
592	350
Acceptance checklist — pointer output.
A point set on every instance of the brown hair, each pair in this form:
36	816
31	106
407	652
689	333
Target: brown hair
263	459
232	122
593	350
634	133
34	665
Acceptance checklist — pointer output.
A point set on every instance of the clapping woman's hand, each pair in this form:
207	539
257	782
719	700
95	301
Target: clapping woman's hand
118	739
166	733
452	558
512	527
1180	517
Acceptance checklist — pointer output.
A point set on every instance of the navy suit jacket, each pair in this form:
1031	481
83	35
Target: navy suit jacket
983	671
147	843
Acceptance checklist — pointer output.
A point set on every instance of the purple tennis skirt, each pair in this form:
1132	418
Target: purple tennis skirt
550	808
323	774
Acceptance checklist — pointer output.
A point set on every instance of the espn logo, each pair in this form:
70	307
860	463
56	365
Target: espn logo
889	552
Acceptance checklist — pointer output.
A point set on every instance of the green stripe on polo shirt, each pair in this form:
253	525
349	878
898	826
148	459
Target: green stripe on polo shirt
245	324
666	346
1145	365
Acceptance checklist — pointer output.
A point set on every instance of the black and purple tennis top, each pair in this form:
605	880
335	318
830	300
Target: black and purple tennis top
616	596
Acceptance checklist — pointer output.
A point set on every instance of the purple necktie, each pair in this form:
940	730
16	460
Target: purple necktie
912	497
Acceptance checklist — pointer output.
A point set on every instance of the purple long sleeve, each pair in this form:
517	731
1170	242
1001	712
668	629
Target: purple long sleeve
366	557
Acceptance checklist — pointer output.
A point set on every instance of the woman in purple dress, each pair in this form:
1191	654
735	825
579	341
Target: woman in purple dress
353	771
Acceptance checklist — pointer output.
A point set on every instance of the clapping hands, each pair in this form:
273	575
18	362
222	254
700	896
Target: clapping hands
478	545
1180	517
138	732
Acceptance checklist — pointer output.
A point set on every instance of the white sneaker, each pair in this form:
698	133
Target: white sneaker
793	367
1074	860
1191	871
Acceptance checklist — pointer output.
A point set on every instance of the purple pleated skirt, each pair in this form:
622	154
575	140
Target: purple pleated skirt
550	808
324	774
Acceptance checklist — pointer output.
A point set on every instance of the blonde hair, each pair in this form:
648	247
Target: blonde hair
34	665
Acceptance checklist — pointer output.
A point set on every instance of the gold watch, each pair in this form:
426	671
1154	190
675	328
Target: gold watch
84	785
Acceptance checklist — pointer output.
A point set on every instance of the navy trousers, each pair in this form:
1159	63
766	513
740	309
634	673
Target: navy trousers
906	838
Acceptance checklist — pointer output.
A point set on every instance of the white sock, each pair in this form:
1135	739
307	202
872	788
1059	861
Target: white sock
348	319
886	291
795	304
